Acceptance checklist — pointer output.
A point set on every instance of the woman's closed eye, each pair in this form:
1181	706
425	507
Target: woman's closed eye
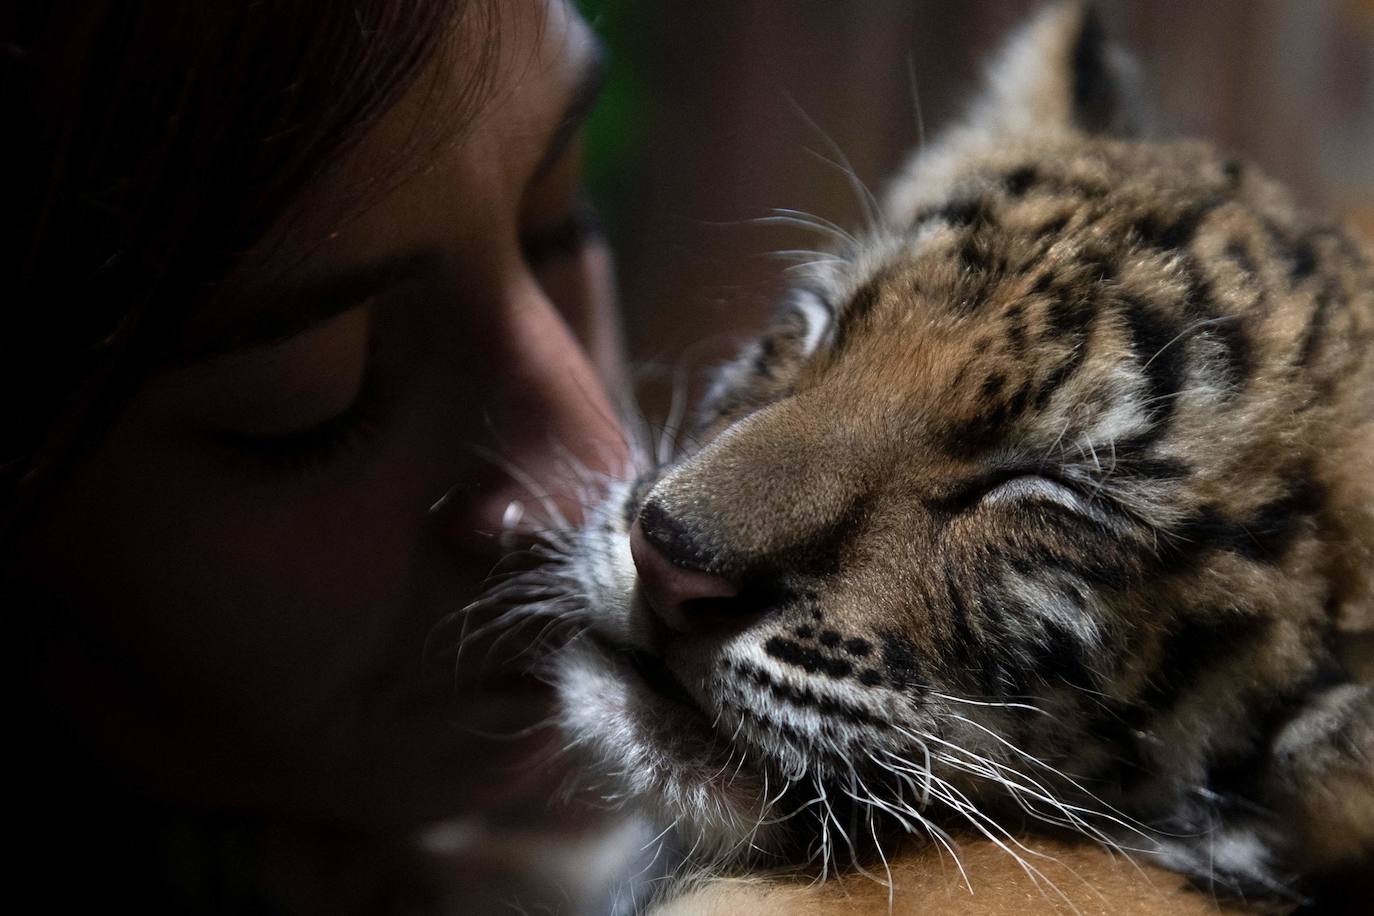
292	404
314	446
567	239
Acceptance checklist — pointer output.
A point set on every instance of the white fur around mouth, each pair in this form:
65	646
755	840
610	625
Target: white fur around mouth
662	752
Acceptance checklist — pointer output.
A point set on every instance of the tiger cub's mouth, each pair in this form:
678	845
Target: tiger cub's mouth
651	672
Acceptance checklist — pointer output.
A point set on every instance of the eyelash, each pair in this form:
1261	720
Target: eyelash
315	447
566	240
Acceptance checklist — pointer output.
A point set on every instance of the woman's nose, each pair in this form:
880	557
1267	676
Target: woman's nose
548	429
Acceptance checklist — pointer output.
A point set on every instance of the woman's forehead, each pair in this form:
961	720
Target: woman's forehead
506	75
488	100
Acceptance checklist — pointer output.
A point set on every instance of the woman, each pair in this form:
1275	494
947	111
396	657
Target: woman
292	285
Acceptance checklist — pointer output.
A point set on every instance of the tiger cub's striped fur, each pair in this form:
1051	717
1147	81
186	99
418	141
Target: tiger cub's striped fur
1045	500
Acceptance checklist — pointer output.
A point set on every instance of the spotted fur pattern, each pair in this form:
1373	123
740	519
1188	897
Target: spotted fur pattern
1049	494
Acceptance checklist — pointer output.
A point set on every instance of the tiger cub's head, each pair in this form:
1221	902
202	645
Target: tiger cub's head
1042	494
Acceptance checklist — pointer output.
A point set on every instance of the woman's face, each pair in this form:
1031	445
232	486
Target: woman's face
262	550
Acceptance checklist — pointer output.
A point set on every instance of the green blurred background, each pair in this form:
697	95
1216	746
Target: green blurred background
622	119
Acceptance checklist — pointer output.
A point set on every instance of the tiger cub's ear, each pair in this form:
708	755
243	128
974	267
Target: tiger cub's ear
1060	71
1057	75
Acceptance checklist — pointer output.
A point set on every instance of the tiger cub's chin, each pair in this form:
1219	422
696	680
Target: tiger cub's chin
1040	504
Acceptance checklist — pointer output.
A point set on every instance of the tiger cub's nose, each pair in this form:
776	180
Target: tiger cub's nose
673	577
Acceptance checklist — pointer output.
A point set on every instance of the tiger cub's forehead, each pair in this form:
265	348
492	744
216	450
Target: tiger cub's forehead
1059	200
1043	289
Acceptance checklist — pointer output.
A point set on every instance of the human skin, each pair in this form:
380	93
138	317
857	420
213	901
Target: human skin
255	611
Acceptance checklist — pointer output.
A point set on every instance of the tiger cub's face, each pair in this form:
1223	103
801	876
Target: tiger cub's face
1040	495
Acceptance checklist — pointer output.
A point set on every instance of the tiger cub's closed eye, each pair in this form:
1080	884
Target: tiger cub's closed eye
1007	487
1026	487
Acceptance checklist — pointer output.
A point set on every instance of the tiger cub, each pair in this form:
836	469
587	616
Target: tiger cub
1045	501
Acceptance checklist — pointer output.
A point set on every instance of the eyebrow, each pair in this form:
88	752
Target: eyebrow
294	311
579	106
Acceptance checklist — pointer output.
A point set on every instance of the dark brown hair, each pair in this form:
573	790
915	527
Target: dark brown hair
150	143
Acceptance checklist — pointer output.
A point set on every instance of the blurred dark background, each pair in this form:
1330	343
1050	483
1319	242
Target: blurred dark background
704	126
